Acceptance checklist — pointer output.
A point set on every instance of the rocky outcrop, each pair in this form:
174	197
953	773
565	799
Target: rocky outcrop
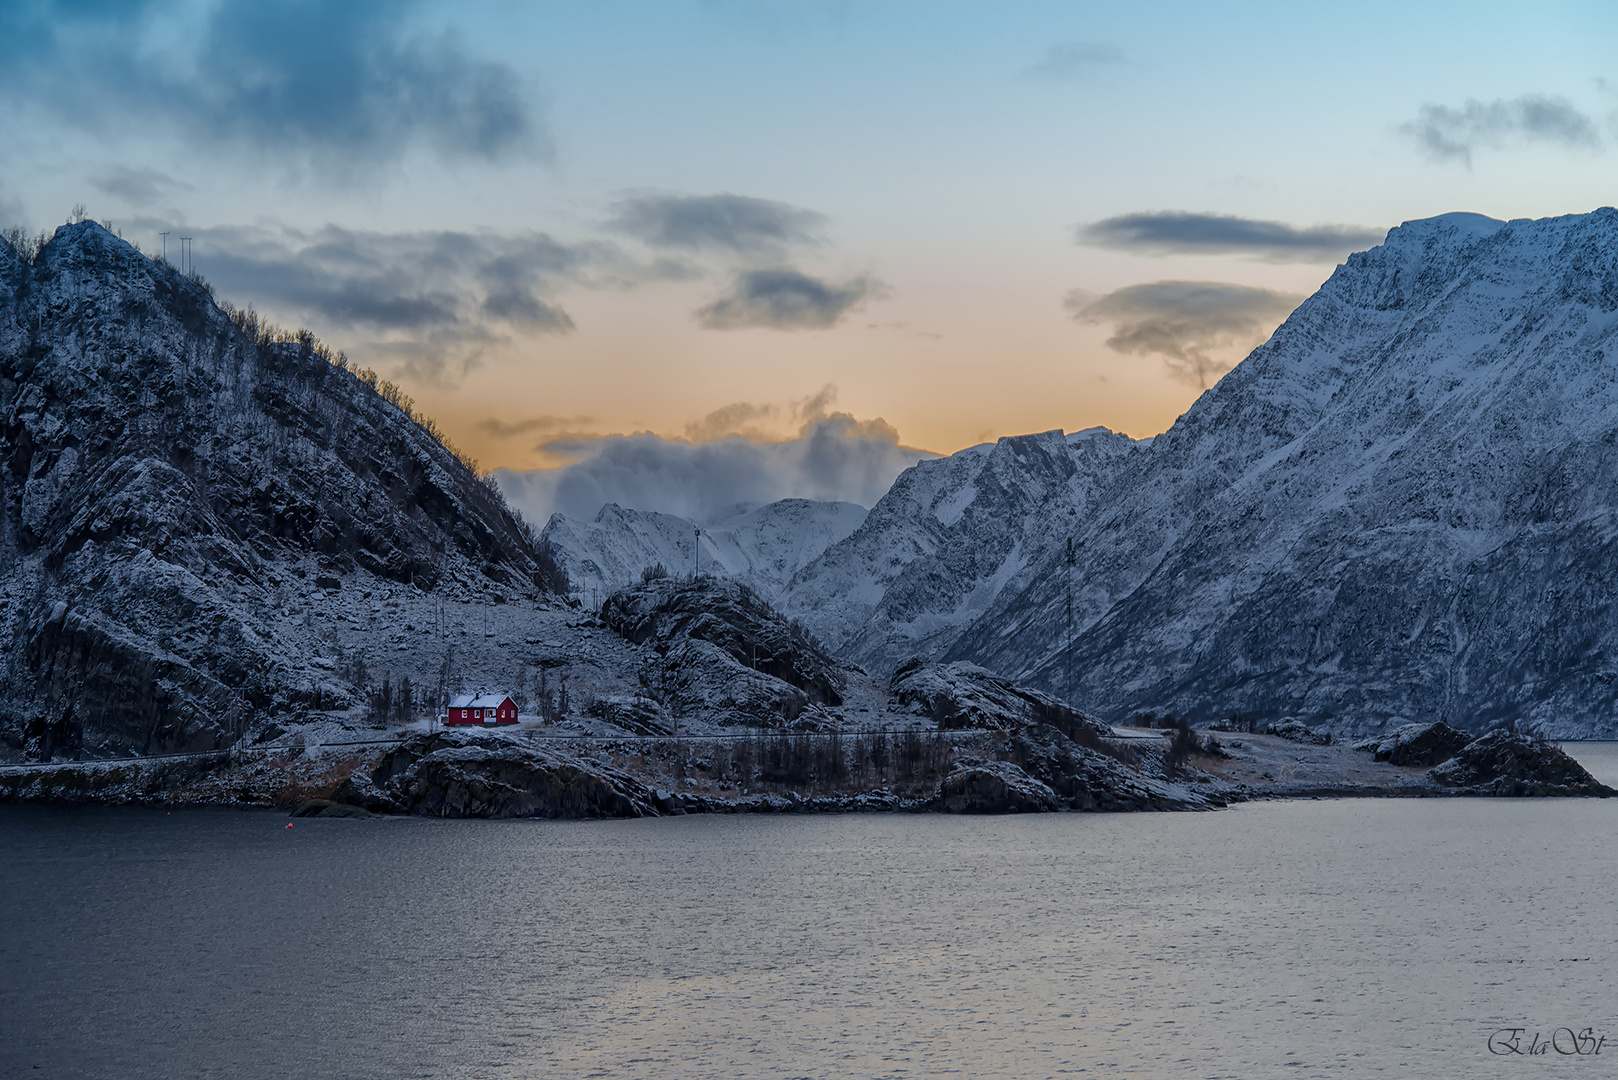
725	656
961	695
1086	778
994	787
1295	730
1418	745
487	776
1506	762
130	782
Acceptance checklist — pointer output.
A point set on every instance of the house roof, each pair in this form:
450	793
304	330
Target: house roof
483	700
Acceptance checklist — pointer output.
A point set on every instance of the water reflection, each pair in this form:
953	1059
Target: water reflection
1333	938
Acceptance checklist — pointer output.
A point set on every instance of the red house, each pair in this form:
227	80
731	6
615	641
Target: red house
482	707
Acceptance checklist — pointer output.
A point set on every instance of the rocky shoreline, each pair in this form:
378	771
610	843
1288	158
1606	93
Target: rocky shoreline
1031	769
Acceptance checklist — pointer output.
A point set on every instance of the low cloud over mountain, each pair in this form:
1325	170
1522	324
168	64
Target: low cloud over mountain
834	457
1199	328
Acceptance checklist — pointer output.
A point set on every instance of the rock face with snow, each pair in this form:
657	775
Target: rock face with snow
994	787
165	473
723	653
951	539
1402	504
763	547
1506	762
962	695
1420	745
449	774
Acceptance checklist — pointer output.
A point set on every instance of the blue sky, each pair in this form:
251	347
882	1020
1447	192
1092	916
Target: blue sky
557	222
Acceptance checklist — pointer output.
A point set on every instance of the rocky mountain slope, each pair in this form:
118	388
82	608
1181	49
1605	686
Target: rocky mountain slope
952	538
1402	506
763	547
172	481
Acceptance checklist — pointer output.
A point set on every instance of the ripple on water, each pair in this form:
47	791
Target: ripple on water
1333	938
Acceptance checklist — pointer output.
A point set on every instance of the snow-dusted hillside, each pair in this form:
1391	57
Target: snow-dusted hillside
1405	504
188	506
950	539
763	547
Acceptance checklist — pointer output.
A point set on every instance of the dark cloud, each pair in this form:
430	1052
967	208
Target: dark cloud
139	187
335	83
732	223
1076	61
430	301
1451	134
1195	326
782	298
1173	232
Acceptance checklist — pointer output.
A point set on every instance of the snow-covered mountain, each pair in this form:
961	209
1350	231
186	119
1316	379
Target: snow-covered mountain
184	496
1405	504
950	539
763	547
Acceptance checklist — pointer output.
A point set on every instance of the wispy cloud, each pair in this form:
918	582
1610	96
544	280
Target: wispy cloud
834	456
431	302
502	429
1176	232
1076	61
139	187
330	84
737	224
782	298
1193	325
738	420
1451	134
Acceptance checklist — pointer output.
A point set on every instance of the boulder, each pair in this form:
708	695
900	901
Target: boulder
994	787
1508	763
361	791
1418	745
1085	778
962	695
1290	727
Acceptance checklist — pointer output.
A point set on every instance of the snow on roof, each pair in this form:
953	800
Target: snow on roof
480	700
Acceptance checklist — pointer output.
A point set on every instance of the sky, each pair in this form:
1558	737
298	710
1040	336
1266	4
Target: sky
660	251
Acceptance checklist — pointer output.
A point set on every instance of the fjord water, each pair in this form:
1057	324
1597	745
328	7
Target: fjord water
1291	939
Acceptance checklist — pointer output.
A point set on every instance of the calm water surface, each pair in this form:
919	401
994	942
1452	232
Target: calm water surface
1336	938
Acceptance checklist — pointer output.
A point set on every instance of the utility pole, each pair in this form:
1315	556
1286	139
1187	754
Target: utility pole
698	574
165	235
1072	557
185	259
